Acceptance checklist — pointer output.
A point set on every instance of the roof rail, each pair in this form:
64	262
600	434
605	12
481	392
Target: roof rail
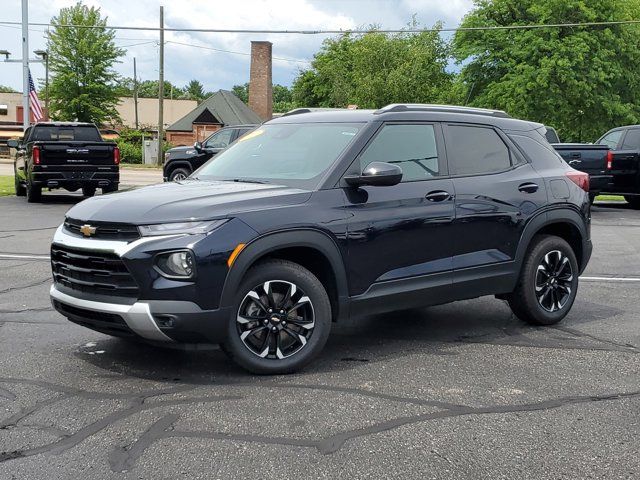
424	107
298	111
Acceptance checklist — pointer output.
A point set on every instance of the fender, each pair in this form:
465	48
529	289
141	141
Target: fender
178	163
271	242
562	214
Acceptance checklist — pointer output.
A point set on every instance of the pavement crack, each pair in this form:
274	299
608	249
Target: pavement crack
580	334
23	287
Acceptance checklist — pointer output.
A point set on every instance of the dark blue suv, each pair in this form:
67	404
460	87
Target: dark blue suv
316	217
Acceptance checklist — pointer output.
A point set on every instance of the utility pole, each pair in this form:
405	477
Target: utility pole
135	90
25	65
161	87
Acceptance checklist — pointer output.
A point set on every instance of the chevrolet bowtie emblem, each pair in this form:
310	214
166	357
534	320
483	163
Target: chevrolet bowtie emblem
87	230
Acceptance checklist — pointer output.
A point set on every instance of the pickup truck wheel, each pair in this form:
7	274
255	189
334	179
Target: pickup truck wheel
21	191
282	319
88	191
110	189
179	174
548	282
633	201
34	194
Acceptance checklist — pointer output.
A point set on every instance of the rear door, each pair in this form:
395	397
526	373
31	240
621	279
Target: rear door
497	191
625	169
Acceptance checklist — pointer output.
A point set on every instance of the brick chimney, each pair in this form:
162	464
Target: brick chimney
260	86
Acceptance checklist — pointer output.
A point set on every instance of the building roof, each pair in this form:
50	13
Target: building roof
222	107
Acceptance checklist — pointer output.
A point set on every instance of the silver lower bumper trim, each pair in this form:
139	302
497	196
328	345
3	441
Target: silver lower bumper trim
137	316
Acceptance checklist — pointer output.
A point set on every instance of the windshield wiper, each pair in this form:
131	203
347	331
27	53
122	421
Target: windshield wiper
244	180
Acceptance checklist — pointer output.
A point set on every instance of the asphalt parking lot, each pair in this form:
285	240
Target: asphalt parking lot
456	391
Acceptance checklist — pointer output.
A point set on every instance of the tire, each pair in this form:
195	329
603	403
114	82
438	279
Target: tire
110	189
89	191
540	299
178	174
592	198
34	194
21	191
634	201
290	344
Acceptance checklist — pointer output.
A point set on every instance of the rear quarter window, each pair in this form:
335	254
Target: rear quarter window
537	151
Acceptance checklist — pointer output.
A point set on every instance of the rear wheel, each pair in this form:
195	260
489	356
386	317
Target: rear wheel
89	191
21	191
179	174
110	189
282	319
634	201
34	193
548	282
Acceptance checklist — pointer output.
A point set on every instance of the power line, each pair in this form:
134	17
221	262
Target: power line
231	51
345	31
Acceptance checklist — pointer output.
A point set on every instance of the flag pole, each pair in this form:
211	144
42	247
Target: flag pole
25	64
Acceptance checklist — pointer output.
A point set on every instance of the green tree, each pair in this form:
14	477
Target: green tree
282	99
81	63
5	89
242	92
376	69
581	80
194	91
149	89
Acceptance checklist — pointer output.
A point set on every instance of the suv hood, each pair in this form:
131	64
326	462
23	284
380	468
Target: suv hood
191	199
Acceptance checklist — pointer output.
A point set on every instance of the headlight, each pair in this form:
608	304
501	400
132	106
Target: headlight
191	228
178	264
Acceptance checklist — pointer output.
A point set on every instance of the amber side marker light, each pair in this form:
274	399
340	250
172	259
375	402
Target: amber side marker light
235	253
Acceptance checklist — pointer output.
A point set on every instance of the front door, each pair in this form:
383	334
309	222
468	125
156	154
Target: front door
399	236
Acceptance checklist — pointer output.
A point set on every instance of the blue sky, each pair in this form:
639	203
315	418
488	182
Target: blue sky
213	68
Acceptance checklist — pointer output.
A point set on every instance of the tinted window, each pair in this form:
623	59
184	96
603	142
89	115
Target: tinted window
411	147
46	133
611	139
536	151
472	150
219	139
632	140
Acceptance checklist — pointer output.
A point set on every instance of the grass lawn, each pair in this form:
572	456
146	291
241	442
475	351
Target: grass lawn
139	165
610	198
6	185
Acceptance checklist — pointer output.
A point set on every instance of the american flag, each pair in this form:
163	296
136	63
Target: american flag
36	109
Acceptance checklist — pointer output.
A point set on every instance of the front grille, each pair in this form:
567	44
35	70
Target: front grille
104	231
108	323
92	272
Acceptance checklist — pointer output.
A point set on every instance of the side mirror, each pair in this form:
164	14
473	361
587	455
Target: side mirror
377	174
198	146
13	143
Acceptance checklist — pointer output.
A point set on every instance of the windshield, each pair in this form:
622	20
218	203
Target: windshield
295	154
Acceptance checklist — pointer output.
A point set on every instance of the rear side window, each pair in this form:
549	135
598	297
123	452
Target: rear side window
411	147
611	140
473	150
632	140
537	151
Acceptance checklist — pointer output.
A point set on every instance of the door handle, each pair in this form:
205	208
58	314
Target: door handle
528	187
576	155
437	196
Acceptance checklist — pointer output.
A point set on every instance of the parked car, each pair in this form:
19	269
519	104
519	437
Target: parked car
596	160
317	217
624	143
180	162
67	155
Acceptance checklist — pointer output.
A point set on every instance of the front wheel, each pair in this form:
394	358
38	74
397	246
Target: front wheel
548	282
179	174
21	191
282	319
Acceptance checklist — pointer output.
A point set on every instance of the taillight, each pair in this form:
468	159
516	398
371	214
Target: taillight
579	178
116	156
36	155
609	160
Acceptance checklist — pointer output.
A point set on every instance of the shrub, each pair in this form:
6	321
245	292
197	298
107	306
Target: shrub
130	152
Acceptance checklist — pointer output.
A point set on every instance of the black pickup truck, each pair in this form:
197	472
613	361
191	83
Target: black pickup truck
64	155
592	159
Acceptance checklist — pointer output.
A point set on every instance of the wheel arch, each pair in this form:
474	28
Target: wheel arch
313	249
564	223
178	164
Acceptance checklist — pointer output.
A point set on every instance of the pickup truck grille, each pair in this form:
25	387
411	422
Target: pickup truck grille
92	272
104	231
